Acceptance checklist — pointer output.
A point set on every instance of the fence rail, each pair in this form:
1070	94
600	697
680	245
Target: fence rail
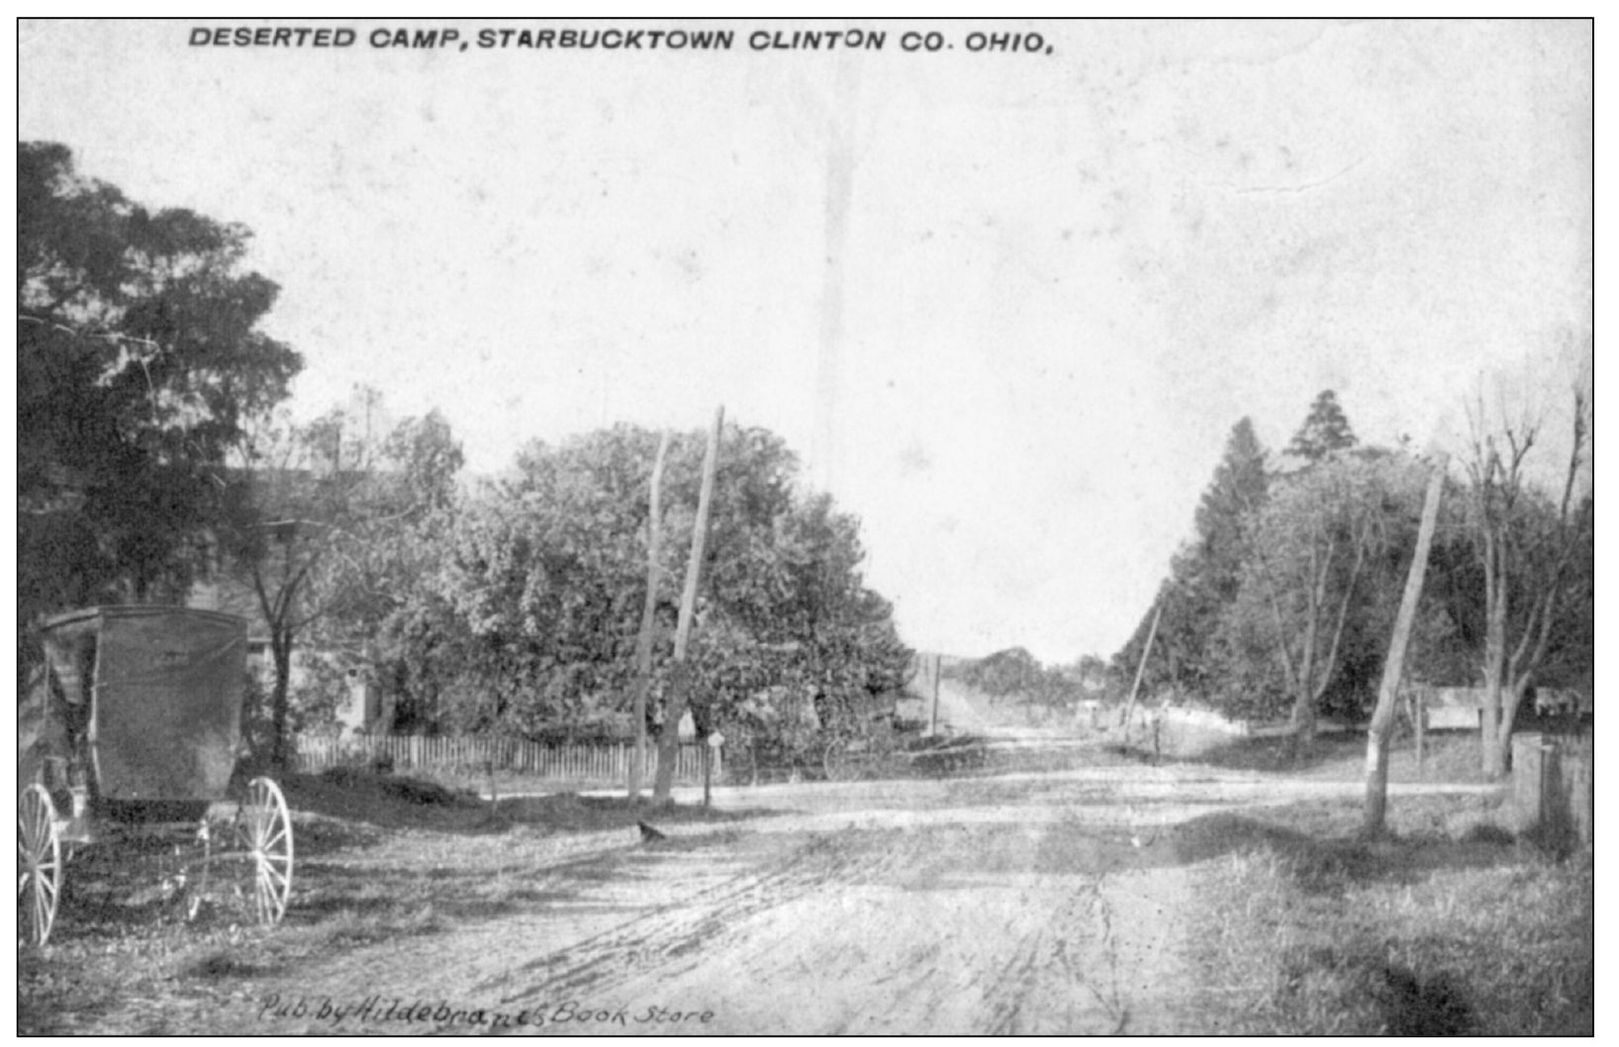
473	754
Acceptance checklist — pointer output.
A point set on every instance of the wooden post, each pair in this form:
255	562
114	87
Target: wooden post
1377	736
643	641
933	720
1141	669
680	682
1420	706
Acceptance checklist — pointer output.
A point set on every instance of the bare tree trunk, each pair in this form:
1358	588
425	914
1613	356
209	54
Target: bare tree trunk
1303	719
1511	701
281	656
1496	469
1377	737
1494	670
675	707
1312	687
643	642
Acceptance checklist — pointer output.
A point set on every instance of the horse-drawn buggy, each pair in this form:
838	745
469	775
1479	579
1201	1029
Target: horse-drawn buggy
133	726
864	737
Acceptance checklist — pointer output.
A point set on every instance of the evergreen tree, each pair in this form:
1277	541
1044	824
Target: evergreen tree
1325	430
1206	573
1238	489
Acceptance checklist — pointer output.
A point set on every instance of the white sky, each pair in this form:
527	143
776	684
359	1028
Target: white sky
1006	306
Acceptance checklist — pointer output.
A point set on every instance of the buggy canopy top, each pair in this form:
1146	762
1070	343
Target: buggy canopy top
157	694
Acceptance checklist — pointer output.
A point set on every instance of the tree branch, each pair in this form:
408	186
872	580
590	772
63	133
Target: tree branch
1276	613
1343	616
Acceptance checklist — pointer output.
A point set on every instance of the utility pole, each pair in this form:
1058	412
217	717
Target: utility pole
680	678
1377	736
643	642
1141	669
933	721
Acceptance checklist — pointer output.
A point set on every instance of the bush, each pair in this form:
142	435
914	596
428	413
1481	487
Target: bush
411	790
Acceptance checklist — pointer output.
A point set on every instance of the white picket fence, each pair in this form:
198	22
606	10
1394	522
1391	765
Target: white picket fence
473	754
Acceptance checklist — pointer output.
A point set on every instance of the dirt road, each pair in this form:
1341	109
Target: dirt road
1041	903
899	908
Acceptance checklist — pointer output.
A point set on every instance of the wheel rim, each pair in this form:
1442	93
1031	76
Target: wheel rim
39	865
837	762
267	828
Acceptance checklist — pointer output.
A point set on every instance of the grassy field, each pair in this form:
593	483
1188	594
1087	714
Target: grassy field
1450	927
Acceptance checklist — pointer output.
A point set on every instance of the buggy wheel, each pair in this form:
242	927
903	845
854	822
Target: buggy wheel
39	865
842	765
266	830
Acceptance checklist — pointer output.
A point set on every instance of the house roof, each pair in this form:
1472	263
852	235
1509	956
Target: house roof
228	595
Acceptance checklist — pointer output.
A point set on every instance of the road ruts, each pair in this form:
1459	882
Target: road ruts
675	938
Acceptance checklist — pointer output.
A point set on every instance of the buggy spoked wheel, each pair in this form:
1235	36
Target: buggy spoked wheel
266	829
748	758
39	865
842	764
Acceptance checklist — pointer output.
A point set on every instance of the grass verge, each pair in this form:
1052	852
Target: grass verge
1339	756
1302	931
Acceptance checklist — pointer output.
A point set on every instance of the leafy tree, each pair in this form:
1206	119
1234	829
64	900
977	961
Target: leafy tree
1090	672
1322	571
1042	690
381	607
799	590
1003	674
1325	430
331	529
139	360
293	497
546	571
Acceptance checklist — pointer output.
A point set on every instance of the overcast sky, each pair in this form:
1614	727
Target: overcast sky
1006	306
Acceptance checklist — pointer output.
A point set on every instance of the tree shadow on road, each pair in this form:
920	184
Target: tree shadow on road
1325	862
1313	843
